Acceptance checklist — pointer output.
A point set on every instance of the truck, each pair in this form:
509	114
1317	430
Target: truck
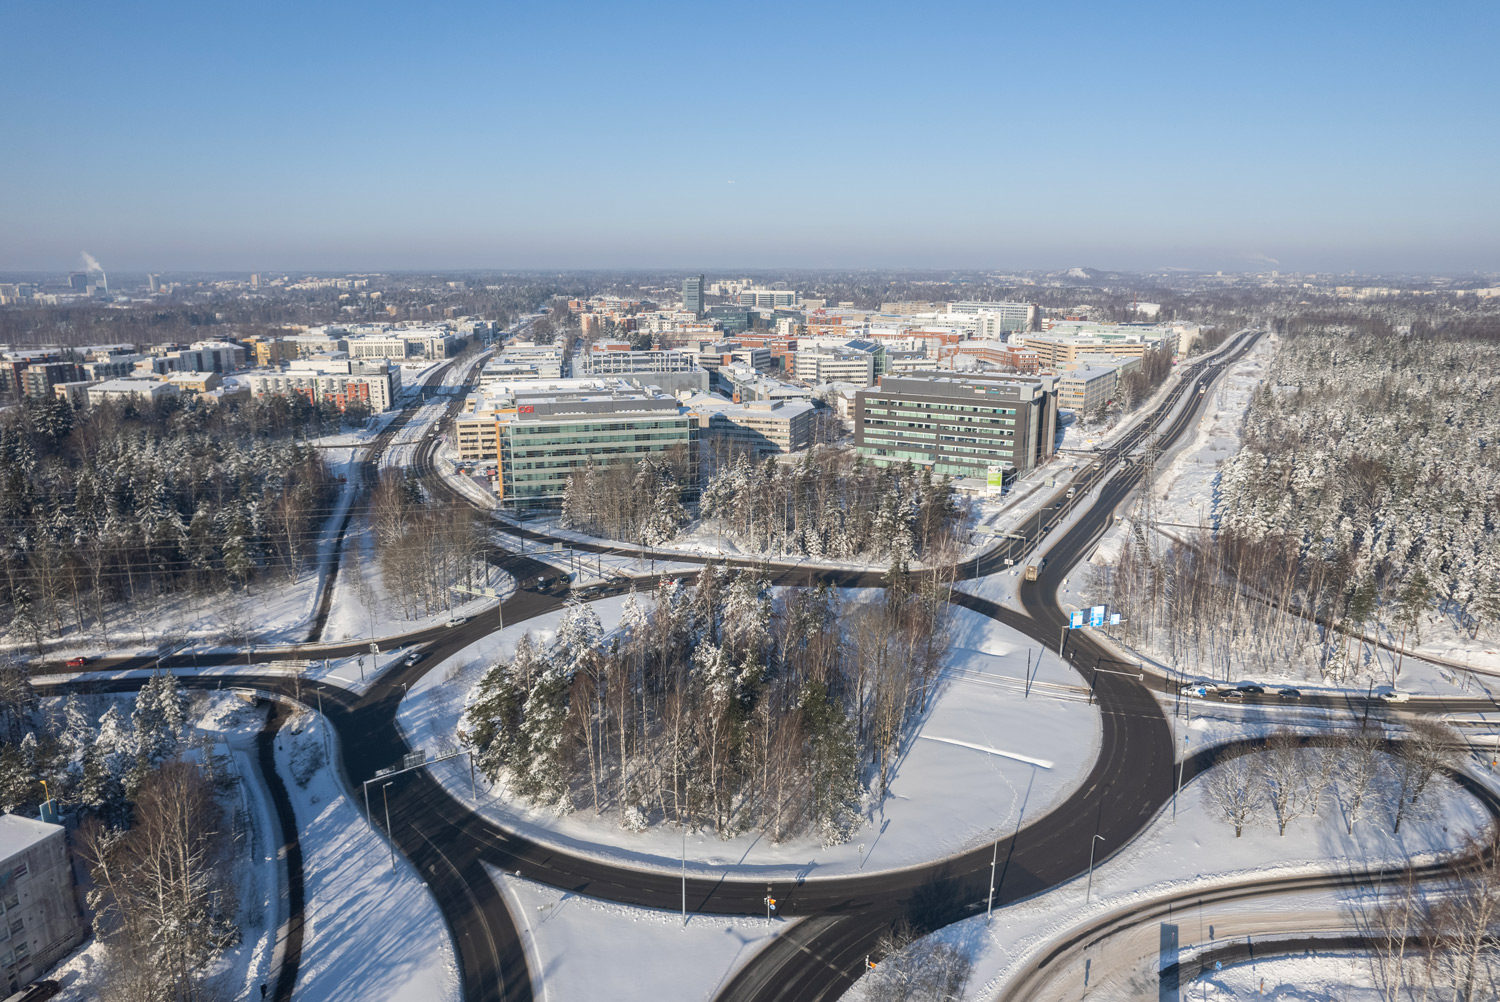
1030	574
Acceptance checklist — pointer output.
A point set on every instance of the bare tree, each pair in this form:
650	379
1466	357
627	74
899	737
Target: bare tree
1235	789
1429	748
1284	770
1362	763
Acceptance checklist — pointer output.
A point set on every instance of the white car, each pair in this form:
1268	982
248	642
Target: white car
1395	697
457	621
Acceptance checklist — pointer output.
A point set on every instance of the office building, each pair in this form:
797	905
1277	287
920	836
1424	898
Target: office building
1008	316
958	425
40	922
731	319
767	298
692	295
539	433
835	365
757	427
1060	344
1087	389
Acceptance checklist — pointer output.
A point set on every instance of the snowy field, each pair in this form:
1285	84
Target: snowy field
984	757
227	727
370	931
584	948
1197	849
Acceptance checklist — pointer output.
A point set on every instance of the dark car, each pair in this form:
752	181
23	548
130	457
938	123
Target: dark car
1289	693
36	992
1231	694
1251	689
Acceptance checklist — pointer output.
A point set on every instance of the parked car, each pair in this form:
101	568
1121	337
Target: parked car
37	991
1395	696
77	662
1289	693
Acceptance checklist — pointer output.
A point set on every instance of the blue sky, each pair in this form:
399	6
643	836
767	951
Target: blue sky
1327	136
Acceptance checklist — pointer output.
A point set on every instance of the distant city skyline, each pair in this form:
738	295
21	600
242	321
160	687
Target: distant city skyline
175	137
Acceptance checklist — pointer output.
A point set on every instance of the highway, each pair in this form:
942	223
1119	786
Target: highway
818	957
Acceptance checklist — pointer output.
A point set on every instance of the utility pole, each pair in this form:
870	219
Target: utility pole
682	823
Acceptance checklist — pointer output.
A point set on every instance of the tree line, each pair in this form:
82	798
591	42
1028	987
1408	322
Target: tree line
1368	774
837	506
715	705
102	505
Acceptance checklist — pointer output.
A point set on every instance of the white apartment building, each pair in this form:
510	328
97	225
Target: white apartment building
834	366
141	392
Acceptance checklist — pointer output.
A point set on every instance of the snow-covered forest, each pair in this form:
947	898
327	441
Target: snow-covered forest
835	506
830	504
716	705
116	503
1364	501
640	503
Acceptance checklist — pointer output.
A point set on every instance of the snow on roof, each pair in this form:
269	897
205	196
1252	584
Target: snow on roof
17	834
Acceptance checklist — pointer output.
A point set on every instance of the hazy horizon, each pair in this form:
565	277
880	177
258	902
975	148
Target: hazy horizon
173	137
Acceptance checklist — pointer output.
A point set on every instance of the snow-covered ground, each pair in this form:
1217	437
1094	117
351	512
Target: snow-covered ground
1323	977
363	607
585	948
985	757
226	727
370	931
1197	849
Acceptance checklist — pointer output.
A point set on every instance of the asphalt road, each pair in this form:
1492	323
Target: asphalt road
818	958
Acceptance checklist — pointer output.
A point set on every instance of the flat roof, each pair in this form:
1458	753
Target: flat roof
17	834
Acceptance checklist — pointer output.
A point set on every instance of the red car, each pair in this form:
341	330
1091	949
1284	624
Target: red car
78	662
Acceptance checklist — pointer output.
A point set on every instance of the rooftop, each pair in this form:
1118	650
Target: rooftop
17	834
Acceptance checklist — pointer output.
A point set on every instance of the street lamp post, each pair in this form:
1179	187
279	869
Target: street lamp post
391	839
1180	766
990	905
1092	844
683	825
